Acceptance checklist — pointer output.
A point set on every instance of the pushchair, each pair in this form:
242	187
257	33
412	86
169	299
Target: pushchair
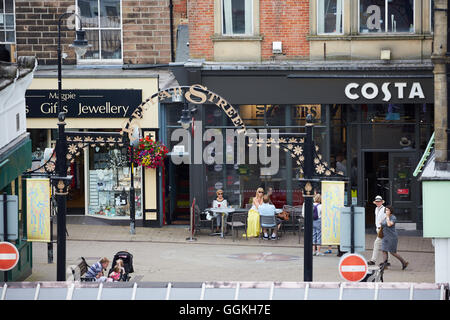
127	259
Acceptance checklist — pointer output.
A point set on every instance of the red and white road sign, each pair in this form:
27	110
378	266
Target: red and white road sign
353	267
9	256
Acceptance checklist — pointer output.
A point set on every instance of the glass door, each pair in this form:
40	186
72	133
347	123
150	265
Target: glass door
402	185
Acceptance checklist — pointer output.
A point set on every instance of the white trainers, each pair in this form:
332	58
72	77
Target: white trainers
320	254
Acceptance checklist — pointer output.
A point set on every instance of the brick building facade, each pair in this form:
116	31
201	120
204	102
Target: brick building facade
143	31
282	21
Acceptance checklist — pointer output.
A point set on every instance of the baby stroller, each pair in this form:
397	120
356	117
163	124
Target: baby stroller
127	259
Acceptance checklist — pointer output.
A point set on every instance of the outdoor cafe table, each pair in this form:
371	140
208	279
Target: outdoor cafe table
222	211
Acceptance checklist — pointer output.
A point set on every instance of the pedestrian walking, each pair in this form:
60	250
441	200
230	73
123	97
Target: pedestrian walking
390	237
317	225
379	217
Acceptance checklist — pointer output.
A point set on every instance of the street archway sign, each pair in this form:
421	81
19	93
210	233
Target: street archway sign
353	267
9	256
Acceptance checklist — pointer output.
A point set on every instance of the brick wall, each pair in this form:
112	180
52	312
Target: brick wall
37	30
286	21
201	28
280	20
146	30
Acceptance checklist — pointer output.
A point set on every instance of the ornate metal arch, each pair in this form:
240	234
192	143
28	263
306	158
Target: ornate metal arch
76	142
195	94
295	147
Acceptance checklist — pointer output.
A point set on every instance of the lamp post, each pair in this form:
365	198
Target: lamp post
61	181
308	199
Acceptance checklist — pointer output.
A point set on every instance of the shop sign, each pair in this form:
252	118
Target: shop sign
370	90
403	191
89	103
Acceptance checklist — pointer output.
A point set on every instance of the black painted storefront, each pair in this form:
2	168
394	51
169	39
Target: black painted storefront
367	114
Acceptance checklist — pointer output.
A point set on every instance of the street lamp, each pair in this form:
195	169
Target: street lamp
61	181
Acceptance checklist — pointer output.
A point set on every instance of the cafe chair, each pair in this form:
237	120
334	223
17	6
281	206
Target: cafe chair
200	220
269	222
238	220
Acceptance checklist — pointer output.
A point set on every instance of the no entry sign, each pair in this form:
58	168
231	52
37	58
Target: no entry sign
9	256
353	267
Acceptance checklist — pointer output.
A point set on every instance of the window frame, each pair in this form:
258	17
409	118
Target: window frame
318	20
386	25
3	29
100	61
222	17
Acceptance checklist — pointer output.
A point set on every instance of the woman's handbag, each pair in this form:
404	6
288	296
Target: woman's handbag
284	216
380	233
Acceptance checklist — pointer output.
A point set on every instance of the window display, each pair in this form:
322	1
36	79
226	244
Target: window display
109	185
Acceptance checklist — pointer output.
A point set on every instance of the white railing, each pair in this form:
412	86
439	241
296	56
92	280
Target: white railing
75	290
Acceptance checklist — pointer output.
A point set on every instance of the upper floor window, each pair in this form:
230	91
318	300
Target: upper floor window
237	17
329	17
103	24
7	22
386	16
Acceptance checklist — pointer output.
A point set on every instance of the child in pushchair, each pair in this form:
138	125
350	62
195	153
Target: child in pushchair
124	261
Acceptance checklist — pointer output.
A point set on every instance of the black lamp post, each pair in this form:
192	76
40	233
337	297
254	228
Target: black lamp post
308	199
61	181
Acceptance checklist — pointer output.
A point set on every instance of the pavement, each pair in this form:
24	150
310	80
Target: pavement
170	253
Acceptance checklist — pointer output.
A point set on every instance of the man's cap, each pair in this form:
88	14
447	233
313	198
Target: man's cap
378	198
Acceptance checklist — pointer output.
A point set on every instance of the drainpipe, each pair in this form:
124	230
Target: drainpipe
172	51
447	67
439	60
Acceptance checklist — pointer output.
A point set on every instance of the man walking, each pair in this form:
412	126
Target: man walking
379	217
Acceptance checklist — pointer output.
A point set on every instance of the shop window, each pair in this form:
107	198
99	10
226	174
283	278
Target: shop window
109	184
329	17
237	17
103	24
7	22
386	16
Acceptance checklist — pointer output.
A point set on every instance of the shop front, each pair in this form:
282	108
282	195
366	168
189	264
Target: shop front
101	174
371	121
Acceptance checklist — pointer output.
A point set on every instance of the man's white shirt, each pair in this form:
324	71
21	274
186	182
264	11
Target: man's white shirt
380	214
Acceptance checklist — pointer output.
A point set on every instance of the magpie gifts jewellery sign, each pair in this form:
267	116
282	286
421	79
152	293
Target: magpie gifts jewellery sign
95	103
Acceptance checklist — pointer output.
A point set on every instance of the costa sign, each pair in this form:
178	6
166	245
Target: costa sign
370	90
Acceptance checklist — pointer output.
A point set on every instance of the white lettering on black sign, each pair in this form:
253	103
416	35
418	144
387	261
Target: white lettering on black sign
371	90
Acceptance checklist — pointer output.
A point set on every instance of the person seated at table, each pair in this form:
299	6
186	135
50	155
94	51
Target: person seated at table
267	209
219	202
253	223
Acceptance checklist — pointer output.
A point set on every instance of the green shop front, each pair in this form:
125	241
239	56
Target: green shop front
13	163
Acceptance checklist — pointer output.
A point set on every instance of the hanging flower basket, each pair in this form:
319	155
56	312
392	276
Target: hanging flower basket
150	153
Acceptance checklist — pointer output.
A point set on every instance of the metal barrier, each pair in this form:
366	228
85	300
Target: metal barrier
223	291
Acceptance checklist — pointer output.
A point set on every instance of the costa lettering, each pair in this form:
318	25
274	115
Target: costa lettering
370	90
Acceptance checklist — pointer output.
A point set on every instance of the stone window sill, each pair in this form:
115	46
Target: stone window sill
218	37
399	36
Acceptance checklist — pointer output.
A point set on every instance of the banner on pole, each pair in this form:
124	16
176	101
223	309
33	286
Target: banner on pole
38	209
332	202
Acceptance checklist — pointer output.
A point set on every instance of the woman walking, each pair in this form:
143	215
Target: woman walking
390	238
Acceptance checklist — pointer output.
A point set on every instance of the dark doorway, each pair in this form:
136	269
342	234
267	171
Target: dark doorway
177	193
389	174
76	197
